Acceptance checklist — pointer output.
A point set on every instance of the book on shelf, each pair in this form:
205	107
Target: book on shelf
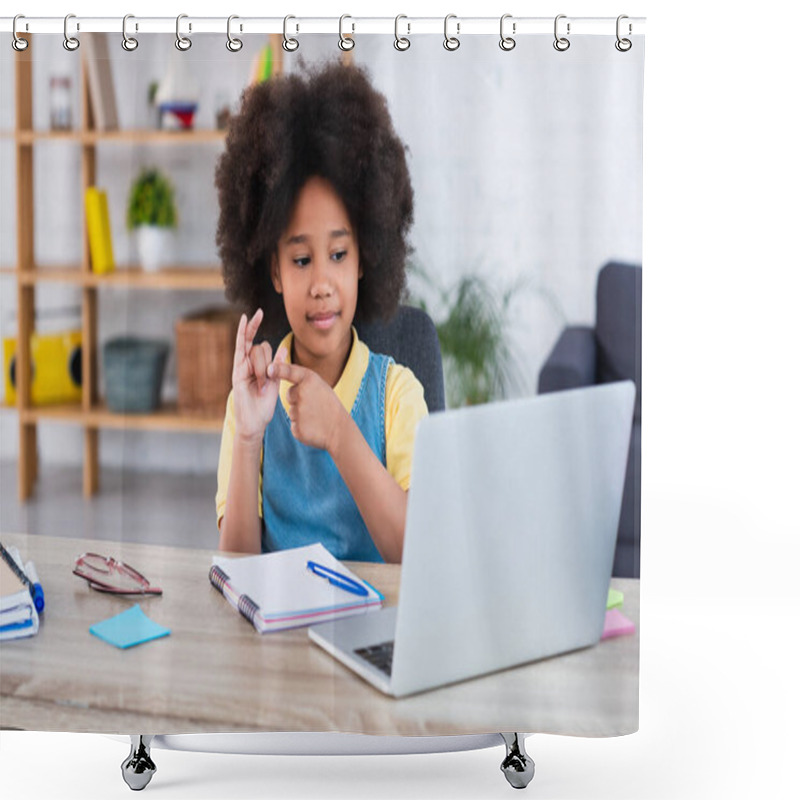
98	225
97	64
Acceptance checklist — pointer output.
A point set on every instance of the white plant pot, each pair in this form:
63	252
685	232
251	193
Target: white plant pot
154	245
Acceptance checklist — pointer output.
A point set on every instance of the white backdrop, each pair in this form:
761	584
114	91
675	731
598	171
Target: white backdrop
720	604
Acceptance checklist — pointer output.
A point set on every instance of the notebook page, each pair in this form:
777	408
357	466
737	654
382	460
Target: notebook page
12	590
280	583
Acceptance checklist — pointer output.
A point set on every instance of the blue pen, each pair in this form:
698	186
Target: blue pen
36	588
11	557
337	579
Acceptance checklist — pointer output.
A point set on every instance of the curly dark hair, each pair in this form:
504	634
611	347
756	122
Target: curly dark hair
330	123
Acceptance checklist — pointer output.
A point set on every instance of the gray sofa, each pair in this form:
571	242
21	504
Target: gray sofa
611	351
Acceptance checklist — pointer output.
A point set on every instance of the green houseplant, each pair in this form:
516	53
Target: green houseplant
472	327
152	215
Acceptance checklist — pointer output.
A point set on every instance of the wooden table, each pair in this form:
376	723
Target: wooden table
214	673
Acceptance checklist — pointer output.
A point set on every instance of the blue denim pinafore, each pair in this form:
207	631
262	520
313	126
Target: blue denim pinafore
304	498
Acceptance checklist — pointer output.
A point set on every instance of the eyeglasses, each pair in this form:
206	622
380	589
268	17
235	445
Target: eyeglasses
106	574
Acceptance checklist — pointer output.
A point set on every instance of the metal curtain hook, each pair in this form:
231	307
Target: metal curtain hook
129	43
401	43
234	45
18	43
507	42
289	44
561	43
623	45
451	43
183	43
349	43
71	43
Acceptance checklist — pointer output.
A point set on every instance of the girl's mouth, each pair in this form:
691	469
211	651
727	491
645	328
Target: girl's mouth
324	320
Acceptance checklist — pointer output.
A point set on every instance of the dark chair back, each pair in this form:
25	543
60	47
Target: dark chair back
410	338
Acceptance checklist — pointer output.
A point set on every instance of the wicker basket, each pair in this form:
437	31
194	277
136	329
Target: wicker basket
205	342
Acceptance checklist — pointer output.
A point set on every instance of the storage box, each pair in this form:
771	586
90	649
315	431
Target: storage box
205	343
134	372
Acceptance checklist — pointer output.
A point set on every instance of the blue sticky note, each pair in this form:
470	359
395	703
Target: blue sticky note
129	628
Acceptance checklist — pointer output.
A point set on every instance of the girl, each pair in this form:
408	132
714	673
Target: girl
315	205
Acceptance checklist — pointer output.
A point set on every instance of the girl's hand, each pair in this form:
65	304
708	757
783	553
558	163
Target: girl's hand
314	409
254	392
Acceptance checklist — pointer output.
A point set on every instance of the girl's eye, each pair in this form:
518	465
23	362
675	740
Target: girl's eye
339	255
302	261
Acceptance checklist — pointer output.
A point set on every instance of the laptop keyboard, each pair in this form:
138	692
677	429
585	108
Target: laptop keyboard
379	655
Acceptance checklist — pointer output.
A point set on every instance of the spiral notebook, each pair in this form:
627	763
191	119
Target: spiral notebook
276	591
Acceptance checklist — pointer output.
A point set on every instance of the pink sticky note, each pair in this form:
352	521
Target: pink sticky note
616	624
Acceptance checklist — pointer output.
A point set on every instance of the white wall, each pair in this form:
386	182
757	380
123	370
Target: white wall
523	163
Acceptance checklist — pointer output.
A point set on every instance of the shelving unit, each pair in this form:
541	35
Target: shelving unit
91	413
179	277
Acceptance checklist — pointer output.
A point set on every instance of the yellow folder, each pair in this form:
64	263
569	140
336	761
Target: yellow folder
99	228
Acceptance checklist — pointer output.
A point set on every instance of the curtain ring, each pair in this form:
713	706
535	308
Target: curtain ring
18	43
129	43
623	45
233	45
561	43
451	43
71	43
289	44
507	42
400	42
346	44
183	43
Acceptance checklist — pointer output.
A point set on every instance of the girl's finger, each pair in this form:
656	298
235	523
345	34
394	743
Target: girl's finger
287	372
252	328
260	357
280	356
241	351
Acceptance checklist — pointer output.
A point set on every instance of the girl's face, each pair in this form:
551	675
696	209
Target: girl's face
317	272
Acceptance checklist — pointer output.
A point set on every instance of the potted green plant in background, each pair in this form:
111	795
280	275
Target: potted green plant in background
472	327
152	215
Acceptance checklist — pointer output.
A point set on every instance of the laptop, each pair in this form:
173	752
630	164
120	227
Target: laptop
510	534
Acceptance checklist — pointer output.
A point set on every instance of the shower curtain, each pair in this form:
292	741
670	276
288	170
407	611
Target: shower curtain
525	250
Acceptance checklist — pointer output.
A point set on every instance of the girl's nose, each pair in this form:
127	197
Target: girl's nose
319	292
321	285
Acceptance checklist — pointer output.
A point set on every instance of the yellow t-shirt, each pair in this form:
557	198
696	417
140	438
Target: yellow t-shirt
405	406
